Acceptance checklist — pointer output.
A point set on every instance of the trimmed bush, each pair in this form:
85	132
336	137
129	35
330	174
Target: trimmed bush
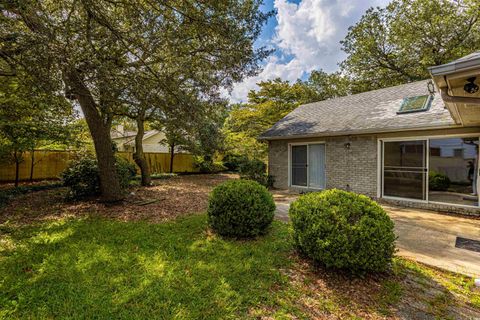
240	208
256	170
208	166
233	161
82	176
126	171
438	181
343	230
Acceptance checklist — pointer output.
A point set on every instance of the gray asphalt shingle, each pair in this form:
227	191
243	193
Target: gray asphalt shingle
367	112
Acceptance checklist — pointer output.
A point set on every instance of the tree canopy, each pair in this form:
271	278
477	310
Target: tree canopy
396	44
91	51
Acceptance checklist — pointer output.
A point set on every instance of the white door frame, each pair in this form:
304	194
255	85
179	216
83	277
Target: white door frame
308	162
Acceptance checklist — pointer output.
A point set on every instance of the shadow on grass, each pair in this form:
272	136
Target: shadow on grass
104	269
99	268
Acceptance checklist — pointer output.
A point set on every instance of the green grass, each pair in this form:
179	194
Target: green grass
105	269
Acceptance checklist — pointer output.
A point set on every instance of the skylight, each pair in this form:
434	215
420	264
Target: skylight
415	104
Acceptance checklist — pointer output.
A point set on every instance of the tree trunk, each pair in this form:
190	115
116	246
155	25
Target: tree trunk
172	154
32	164
17	167
139	156
110	188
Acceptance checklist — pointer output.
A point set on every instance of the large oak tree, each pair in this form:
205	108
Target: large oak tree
90	49
396	44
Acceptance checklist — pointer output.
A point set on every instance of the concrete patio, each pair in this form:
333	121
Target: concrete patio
425	236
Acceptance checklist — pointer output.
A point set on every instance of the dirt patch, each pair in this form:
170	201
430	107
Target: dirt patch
166	199
406	292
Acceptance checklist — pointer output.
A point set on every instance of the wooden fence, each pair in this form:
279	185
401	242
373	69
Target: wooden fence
50	164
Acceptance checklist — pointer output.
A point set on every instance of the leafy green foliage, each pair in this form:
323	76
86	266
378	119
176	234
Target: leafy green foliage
438	181
240	208
8	194
256	170
126	171
82	176
115	57
343	230
274	100
208	166
31	117
233	161
396	44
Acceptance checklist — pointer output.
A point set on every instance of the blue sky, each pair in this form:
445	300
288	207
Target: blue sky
305	35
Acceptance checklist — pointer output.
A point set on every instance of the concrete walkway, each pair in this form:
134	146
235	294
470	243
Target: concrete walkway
426	237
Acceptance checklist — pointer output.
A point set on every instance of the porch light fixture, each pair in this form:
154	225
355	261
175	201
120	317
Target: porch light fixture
470	86
347	145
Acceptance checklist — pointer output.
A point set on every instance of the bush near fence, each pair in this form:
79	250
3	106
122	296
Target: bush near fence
49	164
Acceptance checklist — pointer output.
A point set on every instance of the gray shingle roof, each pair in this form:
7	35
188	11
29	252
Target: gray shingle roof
367	112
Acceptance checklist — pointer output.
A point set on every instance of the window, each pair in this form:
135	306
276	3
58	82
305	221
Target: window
453	179
443	170
404	169
307	167
415	104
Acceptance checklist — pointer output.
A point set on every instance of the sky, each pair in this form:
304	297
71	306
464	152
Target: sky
305	35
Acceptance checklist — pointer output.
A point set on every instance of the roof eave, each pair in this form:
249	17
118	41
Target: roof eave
454	67
357	132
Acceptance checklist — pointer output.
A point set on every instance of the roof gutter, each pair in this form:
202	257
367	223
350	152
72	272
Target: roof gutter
454	67
357	132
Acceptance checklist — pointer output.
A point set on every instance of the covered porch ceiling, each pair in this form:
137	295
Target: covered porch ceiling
451	79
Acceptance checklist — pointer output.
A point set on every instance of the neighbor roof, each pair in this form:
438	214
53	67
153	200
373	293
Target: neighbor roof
367	112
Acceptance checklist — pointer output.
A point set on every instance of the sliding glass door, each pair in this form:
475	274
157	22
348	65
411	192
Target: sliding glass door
453	167
299	165
405	169
441	170
308	166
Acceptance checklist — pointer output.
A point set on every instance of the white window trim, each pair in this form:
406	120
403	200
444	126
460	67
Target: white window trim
307	187
380	151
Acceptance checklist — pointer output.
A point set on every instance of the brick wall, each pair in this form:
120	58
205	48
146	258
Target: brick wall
278	162
353	168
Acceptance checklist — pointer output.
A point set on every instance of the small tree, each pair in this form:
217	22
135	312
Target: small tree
30	117
175	139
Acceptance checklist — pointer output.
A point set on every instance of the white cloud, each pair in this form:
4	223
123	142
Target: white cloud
309	33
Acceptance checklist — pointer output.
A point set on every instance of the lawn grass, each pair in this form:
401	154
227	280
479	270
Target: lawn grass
107	269
99	268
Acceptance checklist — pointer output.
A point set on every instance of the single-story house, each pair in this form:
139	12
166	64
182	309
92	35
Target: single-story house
415	144
153	140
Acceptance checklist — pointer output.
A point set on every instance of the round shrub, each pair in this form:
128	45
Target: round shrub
240	208
343	230
438	181
82	176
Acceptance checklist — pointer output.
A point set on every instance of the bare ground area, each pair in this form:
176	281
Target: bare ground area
166	199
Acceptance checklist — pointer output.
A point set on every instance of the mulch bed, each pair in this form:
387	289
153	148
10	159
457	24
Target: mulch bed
166	199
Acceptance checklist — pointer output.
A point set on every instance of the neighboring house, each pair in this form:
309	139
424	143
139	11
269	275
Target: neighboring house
152	140
386	143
